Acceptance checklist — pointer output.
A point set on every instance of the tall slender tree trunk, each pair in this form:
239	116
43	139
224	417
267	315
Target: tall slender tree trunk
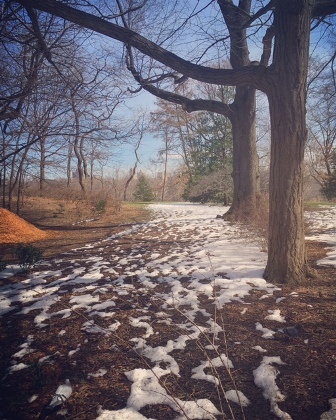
83	157
3	190
42	165
80	171
164	180
287	100
19	198
129	179
183	143
77	144
69	157
12	179
164	172
91	174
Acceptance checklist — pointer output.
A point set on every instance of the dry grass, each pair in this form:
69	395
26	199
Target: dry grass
255	225
60	225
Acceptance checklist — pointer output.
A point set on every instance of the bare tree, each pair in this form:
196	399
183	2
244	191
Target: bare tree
322	133
241	111
284	82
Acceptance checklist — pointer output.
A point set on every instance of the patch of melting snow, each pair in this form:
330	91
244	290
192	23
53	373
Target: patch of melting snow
25	348
113	327
139	323
331	414
259	348
146	390
267	333
274	315
83	301
91	328
103	305
280	299
72	352
32	398
264	377
221	360
100	372
237	397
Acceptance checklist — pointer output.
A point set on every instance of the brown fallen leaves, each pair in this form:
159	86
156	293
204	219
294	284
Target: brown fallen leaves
14	229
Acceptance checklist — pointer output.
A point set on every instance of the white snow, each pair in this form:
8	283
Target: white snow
238	397
100	372
331	414
274	315
32	398
264	378
221	266
221	360
267	333
259	348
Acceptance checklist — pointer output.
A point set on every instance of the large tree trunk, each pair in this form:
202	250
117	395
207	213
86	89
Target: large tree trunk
246	180
287	100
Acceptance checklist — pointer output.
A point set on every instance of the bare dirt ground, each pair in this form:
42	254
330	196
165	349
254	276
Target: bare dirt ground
309	377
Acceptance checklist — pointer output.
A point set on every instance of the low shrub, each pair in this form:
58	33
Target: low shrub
3	264
28	256
100	206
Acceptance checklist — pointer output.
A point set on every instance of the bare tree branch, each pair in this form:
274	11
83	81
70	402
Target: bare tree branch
32	15
267	46
324	8
187	104
269	6
330	61
255	76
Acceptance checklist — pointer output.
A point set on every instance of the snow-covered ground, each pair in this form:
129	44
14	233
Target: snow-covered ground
191	242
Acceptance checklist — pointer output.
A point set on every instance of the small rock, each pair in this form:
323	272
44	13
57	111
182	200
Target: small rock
281	337
294	331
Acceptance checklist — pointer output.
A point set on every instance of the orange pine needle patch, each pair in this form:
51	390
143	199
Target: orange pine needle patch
13	229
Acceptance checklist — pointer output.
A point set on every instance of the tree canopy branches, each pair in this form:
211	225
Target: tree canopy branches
250	75
255	76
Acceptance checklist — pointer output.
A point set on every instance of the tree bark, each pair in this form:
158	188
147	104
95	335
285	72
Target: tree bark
287	261
246	180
